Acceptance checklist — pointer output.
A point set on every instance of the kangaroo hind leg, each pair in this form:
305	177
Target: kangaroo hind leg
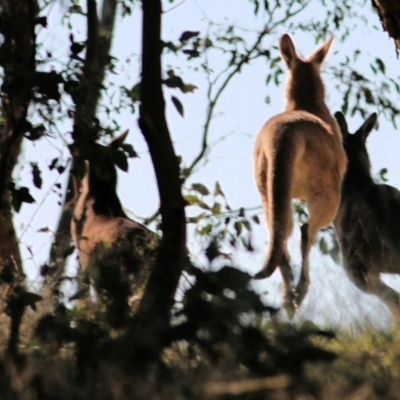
322	209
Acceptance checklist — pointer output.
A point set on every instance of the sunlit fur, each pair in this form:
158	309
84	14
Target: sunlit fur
115	252
368	221
298	154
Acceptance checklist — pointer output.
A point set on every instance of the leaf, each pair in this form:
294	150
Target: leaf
216	209
128	149
191	199
196	219
42	21
36	173
200	188
247	224
188	88
323	246
47	84
205	230
188	35
178	105
381	65
238	227
256	219
20	196
218	190
212	250
192	53
382	175
208	43
134	93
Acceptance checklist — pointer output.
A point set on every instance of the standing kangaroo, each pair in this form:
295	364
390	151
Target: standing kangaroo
115	253
298	154
368	221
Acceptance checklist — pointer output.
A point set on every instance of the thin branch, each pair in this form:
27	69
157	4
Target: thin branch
245	59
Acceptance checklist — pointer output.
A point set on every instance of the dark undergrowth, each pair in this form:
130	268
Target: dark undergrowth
223	343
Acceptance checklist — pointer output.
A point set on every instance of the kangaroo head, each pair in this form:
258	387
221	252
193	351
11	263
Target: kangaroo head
96	177
355	144
101	170
304	85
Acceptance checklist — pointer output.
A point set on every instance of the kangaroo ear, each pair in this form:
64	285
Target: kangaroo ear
341	120
118	140
288	51
366	128
318	56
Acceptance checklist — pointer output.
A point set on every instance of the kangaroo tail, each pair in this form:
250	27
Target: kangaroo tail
279	183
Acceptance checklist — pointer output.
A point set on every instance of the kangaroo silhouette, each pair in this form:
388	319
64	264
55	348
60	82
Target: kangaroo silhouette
298	154
368	221
115	252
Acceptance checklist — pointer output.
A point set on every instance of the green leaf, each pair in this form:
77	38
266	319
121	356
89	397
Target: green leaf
247	224
203	205
380	65
382	175
218	190
188	88
216	209
36	175
196	219
206	230
178	105
200	188
323	246
256	219
191	199
238	227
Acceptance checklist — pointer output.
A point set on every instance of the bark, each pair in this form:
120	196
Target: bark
389	14
152	318
18	61
96	60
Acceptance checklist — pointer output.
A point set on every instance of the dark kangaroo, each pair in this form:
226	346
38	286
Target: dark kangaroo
115	252
298	154
368	221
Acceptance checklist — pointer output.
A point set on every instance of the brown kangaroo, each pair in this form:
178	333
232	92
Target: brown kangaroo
298	154
115	252
368	221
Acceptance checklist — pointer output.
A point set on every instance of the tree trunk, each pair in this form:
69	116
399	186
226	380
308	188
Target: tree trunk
389	14
18	62
96	60
152	318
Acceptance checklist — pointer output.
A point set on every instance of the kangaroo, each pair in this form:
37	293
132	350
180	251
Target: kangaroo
115	252
298	154
368	221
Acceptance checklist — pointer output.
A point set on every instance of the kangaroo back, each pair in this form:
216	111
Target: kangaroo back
368	220
115	252
299	154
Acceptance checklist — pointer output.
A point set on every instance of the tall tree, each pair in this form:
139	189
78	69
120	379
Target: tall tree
159	294
18	62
